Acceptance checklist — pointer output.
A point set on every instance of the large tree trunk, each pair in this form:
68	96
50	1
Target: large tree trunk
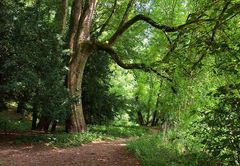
80	45
76	121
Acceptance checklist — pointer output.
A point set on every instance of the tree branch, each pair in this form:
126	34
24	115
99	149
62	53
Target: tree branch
74	20
218	22
215	28
116	58
126	13
154	24
109	18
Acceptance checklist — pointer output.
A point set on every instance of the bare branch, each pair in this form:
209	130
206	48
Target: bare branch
154	24
117	59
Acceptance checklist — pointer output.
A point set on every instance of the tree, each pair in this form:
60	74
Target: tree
100	105
82	43
32	64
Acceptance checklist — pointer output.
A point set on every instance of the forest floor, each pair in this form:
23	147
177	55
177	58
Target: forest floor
99	153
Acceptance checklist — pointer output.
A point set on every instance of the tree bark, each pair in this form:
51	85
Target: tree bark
154	118
81	48
44	123
21	105
61	16
76	121
40	124
34	117
140	118
54	125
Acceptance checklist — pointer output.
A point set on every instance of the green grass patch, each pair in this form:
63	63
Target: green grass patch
119	131
12	122
62	140
155	150
95	133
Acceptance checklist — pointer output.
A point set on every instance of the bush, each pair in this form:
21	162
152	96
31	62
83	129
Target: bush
219	127
119	131
9	122
62	140
169	150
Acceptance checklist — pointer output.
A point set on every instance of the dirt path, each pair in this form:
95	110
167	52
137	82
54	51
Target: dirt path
104	153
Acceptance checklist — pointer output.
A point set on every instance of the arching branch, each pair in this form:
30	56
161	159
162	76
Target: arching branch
117	59
154	24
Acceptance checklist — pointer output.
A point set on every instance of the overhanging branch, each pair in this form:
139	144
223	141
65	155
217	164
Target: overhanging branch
154	24
117	59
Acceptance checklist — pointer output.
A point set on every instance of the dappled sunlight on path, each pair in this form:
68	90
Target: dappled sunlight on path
98	153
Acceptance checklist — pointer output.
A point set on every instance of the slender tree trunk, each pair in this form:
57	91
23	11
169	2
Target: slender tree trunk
40	124
165	128
54	125
156	121
61	16
21	105
140	118
154	118
43	123
46	125
34	117
2	103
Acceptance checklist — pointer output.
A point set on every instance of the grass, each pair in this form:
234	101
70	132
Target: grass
155	150
119	131
95	133
12	122
61	140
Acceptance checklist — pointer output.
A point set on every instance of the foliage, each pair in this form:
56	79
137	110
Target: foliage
100	105
170	149
119	131
219	125
192	75
33	66
9	122
95	133
62	140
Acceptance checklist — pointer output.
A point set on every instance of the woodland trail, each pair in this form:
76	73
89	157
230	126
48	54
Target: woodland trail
101	153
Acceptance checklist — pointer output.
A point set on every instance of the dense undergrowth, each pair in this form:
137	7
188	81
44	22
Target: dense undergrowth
169	149
11	122
94	133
